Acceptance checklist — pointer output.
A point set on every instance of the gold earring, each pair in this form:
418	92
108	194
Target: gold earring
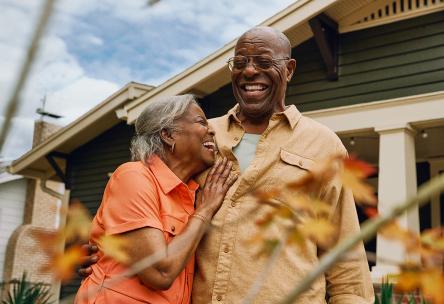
172	147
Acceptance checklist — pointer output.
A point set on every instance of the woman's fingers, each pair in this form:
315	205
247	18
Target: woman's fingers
88	260
210	175
219	170
230	180
84	272
226	172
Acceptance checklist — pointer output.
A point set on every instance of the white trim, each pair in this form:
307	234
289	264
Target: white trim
354	21
418	109
395	128
6	177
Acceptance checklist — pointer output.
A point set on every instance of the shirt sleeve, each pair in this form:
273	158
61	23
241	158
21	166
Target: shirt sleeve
348	281
130	202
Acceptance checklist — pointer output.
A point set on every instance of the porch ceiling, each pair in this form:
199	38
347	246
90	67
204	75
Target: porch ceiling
427	147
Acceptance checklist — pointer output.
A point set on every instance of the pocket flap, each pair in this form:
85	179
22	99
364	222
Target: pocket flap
296	160
172	224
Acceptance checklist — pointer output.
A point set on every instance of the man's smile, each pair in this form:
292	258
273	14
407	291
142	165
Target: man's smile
253	90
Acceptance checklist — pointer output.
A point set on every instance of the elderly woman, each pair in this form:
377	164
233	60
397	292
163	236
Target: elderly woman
150	202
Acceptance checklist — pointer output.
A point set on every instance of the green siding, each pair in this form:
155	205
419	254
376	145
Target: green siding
219	102
393	60
90	165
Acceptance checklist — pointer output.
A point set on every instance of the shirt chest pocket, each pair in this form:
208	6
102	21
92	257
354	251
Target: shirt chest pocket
172	226
290	167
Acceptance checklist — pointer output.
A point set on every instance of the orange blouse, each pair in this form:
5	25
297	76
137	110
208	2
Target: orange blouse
136	196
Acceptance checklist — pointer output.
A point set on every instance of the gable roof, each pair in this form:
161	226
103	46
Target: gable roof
80	131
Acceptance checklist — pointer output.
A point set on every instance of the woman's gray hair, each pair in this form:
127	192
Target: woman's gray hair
157	116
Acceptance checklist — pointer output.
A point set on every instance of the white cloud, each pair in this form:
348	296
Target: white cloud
20	139
91	39
56	73
78	97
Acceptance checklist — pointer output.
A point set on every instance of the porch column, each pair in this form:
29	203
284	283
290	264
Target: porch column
436	168
396	182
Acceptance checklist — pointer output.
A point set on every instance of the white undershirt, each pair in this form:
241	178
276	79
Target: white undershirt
246	149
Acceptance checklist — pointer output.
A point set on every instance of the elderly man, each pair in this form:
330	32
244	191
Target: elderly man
271	144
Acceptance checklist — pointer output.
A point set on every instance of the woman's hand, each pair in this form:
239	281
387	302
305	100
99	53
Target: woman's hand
218	181
85	267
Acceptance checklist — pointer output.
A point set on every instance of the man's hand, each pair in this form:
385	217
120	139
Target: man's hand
85	268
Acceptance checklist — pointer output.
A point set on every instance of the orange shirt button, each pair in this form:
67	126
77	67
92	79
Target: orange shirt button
233	204
226	250
219	298
173	228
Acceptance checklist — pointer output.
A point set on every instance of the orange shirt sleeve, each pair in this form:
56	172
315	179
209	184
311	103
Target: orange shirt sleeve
130	202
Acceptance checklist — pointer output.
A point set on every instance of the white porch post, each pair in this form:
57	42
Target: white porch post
436	167
396	182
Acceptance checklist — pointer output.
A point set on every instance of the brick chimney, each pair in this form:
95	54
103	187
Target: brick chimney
43	130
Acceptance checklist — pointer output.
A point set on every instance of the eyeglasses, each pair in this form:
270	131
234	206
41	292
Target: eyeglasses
260	62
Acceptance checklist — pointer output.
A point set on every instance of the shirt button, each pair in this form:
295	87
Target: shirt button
219	298
226	250
300	163
236	138
233	204
173	228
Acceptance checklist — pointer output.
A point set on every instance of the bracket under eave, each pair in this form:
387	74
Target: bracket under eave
57	169
325	31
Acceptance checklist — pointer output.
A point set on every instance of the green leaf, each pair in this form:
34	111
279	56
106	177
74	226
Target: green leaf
377	300
386	292
25	292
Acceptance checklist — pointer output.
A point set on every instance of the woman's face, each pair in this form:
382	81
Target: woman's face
194	140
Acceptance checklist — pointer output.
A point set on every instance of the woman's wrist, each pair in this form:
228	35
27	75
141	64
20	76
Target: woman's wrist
201	217
205	212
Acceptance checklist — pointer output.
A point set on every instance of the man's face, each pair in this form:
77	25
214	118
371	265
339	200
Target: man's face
261	92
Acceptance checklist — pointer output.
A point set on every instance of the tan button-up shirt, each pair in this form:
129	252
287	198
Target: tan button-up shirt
227	263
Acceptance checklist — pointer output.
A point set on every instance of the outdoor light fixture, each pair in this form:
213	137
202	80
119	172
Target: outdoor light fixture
424	134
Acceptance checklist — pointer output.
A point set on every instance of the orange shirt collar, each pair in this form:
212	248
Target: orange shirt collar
291	113
166	178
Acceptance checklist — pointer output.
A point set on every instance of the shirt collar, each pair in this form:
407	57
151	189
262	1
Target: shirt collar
232	113
291	113
166	178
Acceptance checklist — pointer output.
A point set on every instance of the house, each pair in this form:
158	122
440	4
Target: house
371	70
12	205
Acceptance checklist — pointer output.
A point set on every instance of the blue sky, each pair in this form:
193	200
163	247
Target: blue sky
93	48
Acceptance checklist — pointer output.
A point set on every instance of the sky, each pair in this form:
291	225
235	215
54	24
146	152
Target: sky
93	48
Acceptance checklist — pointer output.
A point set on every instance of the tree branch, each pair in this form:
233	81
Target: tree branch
14	101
